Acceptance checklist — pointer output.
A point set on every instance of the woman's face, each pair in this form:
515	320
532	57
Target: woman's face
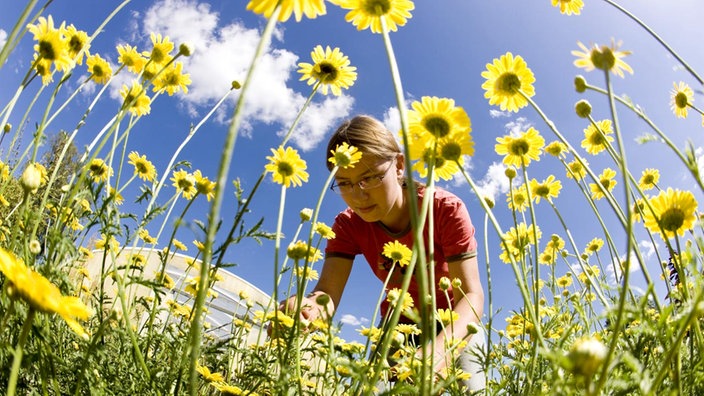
383	202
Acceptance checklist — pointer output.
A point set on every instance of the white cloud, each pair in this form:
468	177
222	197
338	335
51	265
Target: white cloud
493	113
352	320
494	182
223	53
648	248
3	37
392	119
520	124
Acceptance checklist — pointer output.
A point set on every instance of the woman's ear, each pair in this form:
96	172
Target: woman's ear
400	164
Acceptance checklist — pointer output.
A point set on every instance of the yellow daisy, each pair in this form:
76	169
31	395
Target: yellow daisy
569	7
287	167
447	316
517	198
51	43
671	212
505	77
310	8
99	69
42	295
77	40
331	68
397	252
548	188
345	156
43	69
518	239
593	246
394	295
185	183
682	97
520	150
173	80
597	137
99	170
161	49
575	170
324	230
606	179
209	376
143	168
300	250
135	99
131	58
606	58
556	149
368	14
564	281
204	186
649	179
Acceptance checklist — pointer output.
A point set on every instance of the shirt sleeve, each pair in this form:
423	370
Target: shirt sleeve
455	229
344	244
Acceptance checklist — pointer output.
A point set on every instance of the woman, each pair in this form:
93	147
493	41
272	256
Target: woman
379	212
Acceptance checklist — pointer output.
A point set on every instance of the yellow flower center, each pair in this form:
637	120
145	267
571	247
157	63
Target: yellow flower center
285	169
451	151
141	167
376	7
508	83
681	100
47	50
75	44
98	71
519	147
542	190
185	184
606	183
603	59
157	55
597	139
648	179
326	72
97	169
672	219
436	125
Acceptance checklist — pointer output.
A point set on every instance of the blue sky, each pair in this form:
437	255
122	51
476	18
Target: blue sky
441	52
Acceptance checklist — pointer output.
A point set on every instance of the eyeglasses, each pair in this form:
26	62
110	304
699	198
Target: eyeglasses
367	183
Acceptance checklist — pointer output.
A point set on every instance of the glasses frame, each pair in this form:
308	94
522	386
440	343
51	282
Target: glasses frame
360	184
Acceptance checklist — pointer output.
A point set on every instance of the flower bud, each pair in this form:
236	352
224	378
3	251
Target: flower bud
306	214
456	283
489	202
583	108
586	356
322	299
580	84
7	128
35	247
31	178
510	172
472	328
444	283
185	49
235	85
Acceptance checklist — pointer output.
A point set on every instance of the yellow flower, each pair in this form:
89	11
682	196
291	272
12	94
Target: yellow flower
161	49
548	188
130	57
606	58
505	77
398	252
330	68
649	179
209	376
569	7
447	316
143	168
564	281
556	149
311	8
575	170
671	212
394	295
42	295
555	243
135	99
586	356
606	180
179	245
51	45
517	198
682	97
204	186
99	170
184	183
143	234
442	169
307	273
518	239
116	196
172	80
597	137
593	246
99	69
368	14
300	250
107	242
324	230
287	167
43	68
33	177
76	40
345	156
520	150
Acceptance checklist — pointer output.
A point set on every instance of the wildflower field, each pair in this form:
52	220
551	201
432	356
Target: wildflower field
607	286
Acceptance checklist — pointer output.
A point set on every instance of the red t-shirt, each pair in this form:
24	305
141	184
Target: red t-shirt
453	239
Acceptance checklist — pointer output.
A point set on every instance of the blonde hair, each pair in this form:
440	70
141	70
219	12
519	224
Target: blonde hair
368	134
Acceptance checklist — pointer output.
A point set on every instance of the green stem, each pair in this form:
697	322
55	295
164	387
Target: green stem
224	167
19	352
